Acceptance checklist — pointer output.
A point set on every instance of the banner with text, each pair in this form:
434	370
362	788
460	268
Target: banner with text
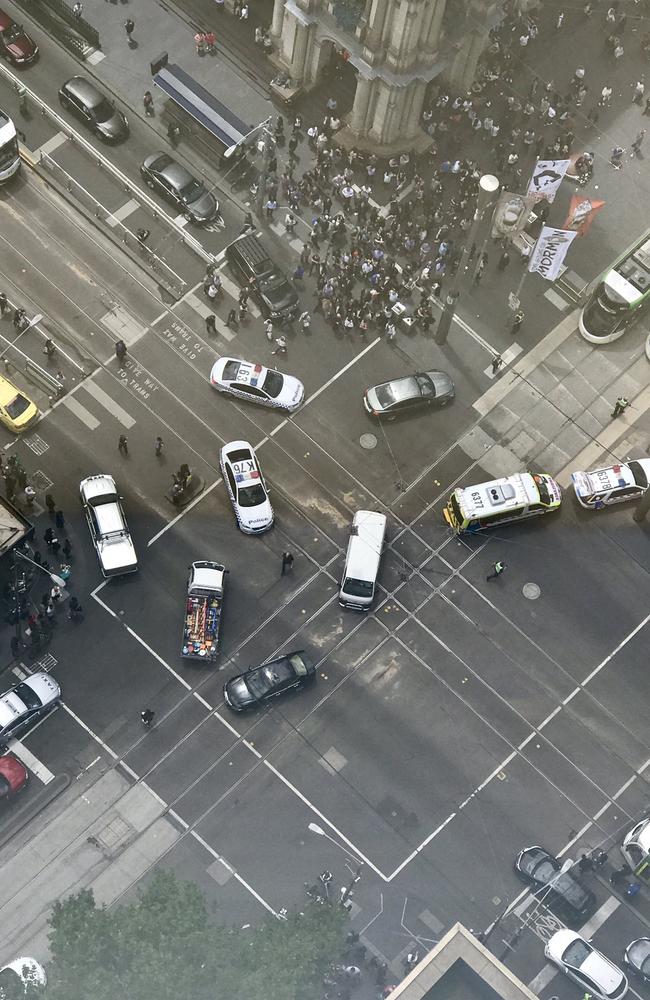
550	250
547	177
581	213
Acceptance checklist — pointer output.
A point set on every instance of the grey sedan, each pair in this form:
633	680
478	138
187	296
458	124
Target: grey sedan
87	103
180	187
405	394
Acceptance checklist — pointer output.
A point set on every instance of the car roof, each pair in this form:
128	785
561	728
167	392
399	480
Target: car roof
176	173
100	485
43	685
405	387
85	90
613	476
248	372
9	391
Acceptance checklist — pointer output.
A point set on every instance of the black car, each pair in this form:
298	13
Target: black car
407	393
539	868
249	260
180	187
637	958
258	684
81	97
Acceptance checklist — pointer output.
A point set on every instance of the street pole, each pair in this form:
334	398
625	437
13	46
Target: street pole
268	146
487	189
347	890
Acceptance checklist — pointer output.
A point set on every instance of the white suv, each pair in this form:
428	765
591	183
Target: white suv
107	524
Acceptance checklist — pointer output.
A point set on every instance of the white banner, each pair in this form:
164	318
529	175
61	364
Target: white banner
550	250
547	177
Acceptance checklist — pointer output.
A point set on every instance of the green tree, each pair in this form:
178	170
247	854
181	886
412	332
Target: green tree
165	946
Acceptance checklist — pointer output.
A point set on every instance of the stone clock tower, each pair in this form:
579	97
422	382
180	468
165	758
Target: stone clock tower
396	47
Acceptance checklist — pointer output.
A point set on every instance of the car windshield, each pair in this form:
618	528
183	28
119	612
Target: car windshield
192	190
542	489
28	696
263	680
545	871
11	33
17	406
357	588
298	664
273	384
103	111
230	370
425	385
640	477
577	953
251	496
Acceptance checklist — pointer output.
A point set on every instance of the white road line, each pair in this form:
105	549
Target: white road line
600	916
334	378
72	403
109	404
542	979
497	392
185	510
30	761
123	212
51	144
234	873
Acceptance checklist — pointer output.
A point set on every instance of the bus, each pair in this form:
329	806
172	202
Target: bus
9	155
618	296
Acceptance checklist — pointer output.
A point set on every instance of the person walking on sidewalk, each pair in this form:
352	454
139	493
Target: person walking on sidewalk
504	260
147	100
268	327
497	569
497	362
50	504
620	406
59	520
129	27
211	323
517	321
638	142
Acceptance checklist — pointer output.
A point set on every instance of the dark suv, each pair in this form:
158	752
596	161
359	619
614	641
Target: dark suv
276	296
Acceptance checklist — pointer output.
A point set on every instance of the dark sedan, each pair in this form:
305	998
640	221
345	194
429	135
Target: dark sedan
637	958
559	890
82	98
403	395
259	684
15	44
180	187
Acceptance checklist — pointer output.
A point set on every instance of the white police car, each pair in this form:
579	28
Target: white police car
246	487
257	384
613	484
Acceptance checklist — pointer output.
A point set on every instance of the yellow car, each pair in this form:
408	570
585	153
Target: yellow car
17	411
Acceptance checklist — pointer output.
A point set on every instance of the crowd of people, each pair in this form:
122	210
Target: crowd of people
367	256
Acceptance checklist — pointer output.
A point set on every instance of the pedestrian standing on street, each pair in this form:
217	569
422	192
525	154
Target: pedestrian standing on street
173	132
158	446
646	110
616	157
619	875
497	362
123	444
280	345
585	864
268	326
304	321
129	27
211	323
636	145
287	562
75	610
48	535
4	303
67	548
55	546
242	312
231	318
497	569
147	716
59	520
147	100
78	9
620	406
639	90
517	321
504	260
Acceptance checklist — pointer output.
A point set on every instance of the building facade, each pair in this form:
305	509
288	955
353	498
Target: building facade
396	48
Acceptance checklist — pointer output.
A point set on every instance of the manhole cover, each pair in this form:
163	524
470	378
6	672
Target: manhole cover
368	441
531	591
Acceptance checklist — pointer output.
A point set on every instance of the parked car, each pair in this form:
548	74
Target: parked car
249	259
13	776
257	384
246	487
17	411
259	684
588	967
560	890
21	977
107	524
37	695
82	98
637	958
16	45
180	187
408	393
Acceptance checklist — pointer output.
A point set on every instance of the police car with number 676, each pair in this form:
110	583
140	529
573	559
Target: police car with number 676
246	487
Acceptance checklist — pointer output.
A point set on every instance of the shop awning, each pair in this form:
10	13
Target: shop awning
201	105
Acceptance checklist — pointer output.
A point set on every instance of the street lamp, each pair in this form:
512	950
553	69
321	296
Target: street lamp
487	189
58	580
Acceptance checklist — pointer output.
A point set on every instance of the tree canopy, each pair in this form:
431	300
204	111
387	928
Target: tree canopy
166	946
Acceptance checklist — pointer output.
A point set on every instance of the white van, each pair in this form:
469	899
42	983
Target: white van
362	560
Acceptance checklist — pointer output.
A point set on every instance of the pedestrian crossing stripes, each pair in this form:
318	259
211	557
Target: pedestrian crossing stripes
204	310
86	417
281	230
109	403
229	286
